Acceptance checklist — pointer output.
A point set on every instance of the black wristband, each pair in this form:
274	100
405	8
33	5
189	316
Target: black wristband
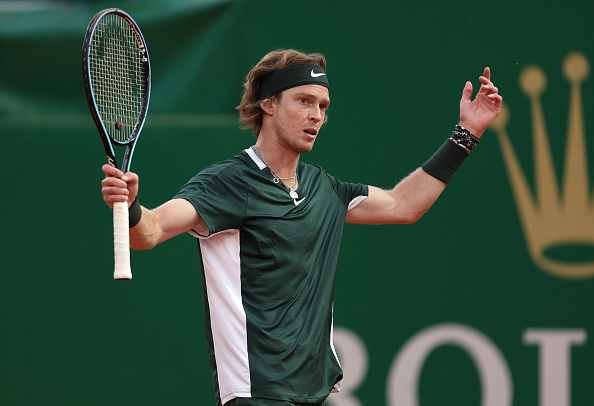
134	213
446	161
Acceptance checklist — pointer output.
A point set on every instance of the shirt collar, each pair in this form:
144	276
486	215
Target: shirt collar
255	158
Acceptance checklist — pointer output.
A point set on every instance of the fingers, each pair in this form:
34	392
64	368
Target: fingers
114	190
467	92
109	170
492	93
497	99
488	88
118	186
487	73
486	81
130	178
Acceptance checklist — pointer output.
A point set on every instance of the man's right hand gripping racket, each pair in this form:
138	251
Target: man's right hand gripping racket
117	77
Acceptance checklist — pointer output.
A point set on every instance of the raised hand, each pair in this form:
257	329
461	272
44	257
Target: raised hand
476	115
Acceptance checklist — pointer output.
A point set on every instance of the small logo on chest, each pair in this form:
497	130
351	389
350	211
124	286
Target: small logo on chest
297	202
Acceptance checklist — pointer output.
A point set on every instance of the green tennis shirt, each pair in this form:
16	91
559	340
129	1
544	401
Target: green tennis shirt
268	270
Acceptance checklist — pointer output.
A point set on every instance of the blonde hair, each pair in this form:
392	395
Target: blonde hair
250	112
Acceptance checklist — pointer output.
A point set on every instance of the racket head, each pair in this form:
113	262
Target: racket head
117	78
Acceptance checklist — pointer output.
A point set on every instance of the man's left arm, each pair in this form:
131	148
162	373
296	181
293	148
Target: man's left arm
416	193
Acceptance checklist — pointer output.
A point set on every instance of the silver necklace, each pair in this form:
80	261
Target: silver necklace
277	178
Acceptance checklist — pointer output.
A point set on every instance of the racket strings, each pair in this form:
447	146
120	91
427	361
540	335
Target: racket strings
117	76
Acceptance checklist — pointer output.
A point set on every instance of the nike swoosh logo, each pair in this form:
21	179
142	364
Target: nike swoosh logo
297	202
316	75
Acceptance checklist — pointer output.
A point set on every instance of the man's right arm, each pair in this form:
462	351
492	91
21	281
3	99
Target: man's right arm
157	225
172	218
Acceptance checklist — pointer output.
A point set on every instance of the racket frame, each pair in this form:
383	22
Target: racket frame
107	140
122	270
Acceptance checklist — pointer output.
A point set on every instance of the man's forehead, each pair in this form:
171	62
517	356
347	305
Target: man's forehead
310	90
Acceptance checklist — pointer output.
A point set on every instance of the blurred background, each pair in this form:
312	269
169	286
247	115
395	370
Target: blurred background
487	300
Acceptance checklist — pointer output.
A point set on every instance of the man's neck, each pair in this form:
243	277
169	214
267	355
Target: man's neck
280	159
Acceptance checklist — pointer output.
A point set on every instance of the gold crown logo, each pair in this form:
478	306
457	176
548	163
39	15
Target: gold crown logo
554	216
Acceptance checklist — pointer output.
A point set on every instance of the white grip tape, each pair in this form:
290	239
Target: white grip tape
121	241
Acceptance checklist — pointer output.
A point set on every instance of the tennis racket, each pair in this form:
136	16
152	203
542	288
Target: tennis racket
117	77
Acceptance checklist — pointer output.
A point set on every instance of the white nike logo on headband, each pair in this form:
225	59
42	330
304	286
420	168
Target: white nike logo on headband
315	75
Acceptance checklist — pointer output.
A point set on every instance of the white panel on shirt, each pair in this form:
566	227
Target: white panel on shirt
222	270
355	202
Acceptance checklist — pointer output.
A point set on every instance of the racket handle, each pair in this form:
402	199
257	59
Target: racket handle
121	241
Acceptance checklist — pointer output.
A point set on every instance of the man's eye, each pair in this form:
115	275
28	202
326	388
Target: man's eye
303	101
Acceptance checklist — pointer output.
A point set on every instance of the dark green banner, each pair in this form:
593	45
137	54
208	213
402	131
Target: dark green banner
487	300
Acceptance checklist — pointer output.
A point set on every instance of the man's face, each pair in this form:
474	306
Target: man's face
299	115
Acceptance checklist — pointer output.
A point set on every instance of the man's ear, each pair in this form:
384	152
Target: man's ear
268	106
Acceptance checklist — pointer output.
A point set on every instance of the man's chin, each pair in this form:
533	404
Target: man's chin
306	147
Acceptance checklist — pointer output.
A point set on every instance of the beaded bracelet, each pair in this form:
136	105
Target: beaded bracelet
464	138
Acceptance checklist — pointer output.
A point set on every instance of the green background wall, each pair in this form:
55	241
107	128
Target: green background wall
452	310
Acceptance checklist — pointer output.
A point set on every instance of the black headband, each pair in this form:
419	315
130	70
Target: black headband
292	76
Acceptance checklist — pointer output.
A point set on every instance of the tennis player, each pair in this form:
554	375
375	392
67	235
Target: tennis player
269	228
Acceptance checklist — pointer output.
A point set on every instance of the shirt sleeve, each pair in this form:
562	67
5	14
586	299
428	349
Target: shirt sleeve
351	194
219	196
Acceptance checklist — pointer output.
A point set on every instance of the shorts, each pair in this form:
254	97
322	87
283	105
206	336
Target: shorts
266	402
